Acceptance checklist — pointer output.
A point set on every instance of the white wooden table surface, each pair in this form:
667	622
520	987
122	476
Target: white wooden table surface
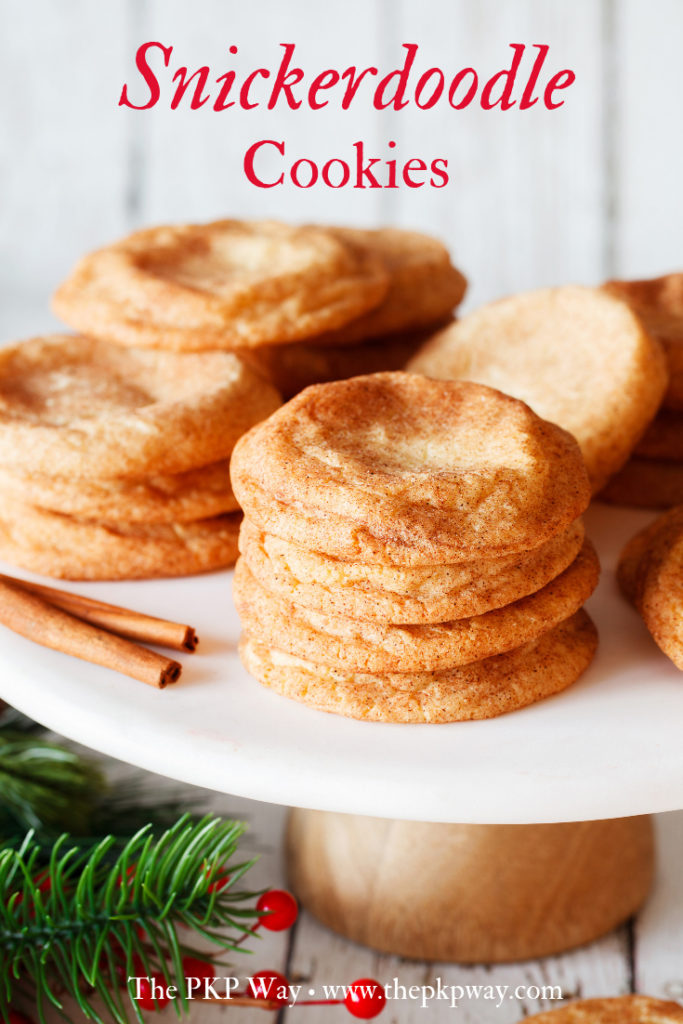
644	955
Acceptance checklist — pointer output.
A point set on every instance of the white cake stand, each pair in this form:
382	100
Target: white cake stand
609	747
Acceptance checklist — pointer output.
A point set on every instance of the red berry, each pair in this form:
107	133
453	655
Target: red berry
130	878
279	908
43	882
220	881
270	986
146	1000
365	998
130	875
193	967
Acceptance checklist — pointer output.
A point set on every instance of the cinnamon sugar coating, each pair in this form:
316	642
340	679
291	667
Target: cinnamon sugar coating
646	483
424	286
291	368
482	689
403	594
74	406
579	357
158	498
663	439
650	575
396	468
620	1010
225	285
78	549
360	645
658	301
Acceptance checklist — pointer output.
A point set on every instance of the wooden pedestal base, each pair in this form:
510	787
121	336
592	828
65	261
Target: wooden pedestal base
469	893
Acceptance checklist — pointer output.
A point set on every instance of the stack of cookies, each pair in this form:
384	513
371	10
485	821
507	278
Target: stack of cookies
412	551
115	442
653	478
423	290
114	461
303	304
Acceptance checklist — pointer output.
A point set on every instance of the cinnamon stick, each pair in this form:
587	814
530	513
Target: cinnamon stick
38	620
131	624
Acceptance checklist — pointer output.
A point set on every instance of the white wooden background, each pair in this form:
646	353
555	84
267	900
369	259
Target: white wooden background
578	194
536	197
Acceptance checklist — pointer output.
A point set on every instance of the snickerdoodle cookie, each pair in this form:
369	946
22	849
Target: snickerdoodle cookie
75	406
224	285
403	594
78	549
658	302
424	289
663	439
177	498
481	689
646	483
291	368
620	1010
651	576
424	286
361	645
579	357
397	468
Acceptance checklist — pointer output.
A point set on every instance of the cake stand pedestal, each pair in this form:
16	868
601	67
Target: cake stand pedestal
609	747
469	893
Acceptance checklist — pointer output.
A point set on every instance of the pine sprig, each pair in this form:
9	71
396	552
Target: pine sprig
98	919
49	788
44	786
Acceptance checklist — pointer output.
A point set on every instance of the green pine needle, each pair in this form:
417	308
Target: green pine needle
97	916
47	787
44	786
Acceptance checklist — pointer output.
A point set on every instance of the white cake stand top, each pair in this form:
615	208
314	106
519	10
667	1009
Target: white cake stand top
609	746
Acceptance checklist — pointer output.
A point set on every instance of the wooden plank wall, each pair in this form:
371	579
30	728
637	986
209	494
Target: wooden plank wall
535	197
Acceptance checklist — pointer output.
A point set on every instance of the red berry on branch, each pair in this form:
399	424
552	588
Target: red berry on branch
270	986
220	881
130	877
193	967
146	1000
365	998
279	908
43	882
